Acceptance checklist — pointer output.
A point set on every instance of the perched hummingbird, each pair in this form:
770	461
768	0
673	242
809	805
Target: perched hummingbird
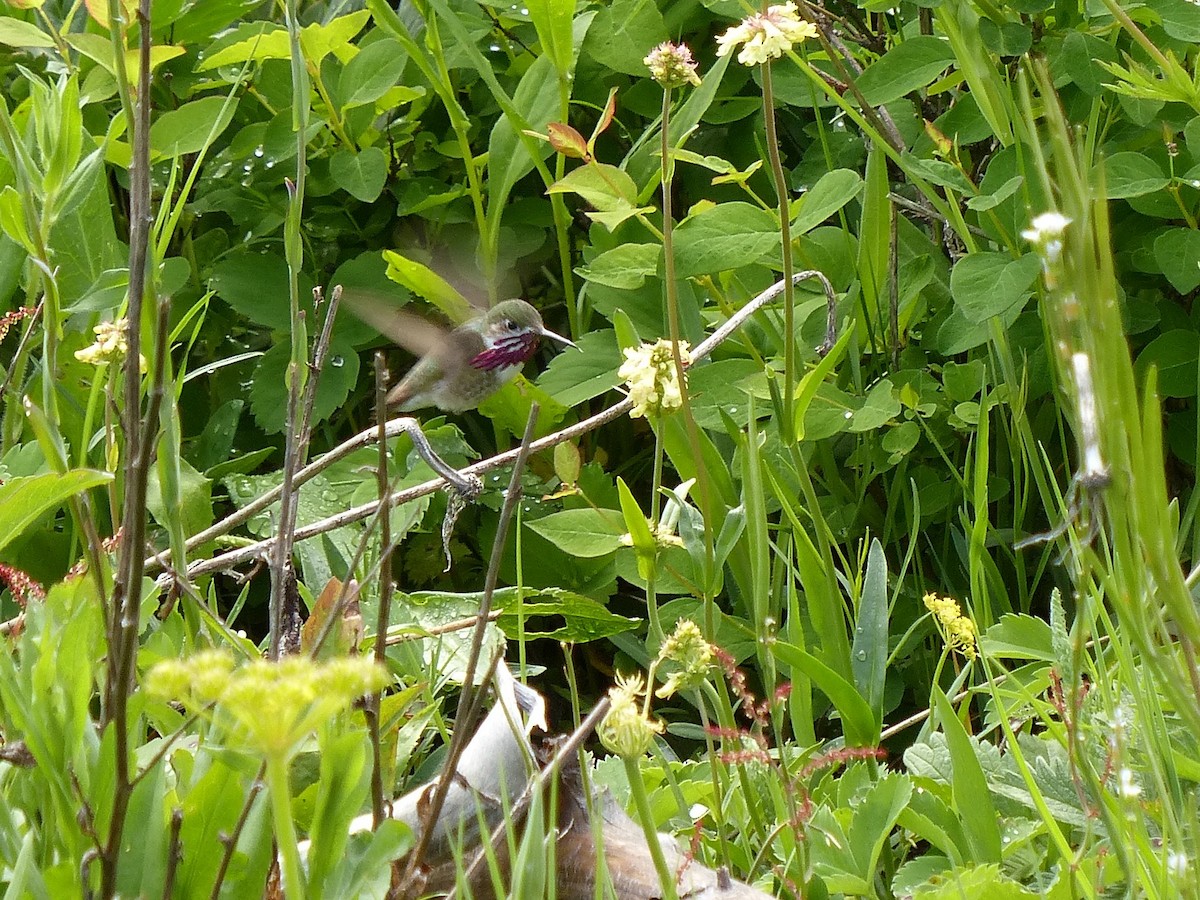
458	370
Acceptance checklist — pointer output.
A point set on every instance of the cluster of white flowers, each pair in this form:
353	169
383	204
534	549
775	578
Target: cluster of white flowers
766	35
649	372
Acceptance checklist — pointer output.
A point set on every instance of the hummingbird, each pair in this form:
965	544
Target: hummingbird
458	370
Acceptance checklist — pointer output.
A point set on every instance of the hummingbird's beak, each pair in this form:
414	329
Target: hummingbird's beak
546	332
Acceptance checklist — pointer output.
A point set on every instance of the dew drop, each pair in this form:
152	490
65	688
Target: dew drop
861	654
337	361
258	151
849	415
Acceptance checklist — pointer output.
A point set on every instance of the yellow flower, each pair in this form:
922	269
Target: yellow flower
957	630
691	651
671	65
649	372
274	705
626	729
111	345
766	35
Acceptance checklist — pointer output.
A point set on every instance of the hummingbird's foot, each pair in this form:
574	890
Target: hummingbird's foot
457	501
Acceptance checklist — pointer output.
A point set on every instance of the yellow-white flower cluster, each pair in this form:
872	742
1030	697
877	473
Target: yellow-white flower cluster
112	344
688	648
627	729
649	372
766	35
273	705
672	66
957	630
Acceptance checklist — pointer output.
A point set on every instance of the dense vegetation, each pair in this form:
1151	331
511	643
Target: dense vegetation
940	537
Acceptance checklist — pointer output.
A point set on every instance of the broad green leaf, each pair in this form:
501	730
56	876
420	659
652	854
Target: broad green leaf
909	66
1132	175
726	236
991	284
192	127
832	191
269	392
15	33
874	817
1018	637
813	380
984	202
624	267
969	785
575	377
1180	19
362	174
1177	252
585	533
536	100
374	70
318	41
194	509
256	286
1174	354
268	42
880	406
622	33
24	500
424	282
603	186
582	618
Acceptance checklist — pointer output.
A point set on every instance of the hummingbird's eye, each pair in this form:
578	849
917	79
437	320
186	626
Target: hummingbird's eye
510	325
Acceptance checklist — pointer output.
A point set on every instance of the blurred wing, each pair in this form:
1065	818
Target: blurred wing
416	335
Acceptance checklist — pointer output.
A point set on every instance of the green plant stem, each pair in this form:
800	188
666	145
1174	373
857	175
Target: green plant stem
655	502
285	827
785	230
672	293
646	817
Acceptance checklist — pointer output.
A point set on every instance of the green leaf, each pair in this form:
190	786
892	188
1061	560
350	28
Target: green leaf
12	218
24	500
1018	637
907	67
832	191
266	42
1177	252
880	405
813	380
191	127
984	202
1180	19
868	655
256	285
318	41
362	174
622	33
15	33
992	284
575	377
585	533
726	236
625	267
858	720
1132	175
371	73
939	172
1174	354
582	618
535	100
269	392
970	788
424	282
603	186
194	508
